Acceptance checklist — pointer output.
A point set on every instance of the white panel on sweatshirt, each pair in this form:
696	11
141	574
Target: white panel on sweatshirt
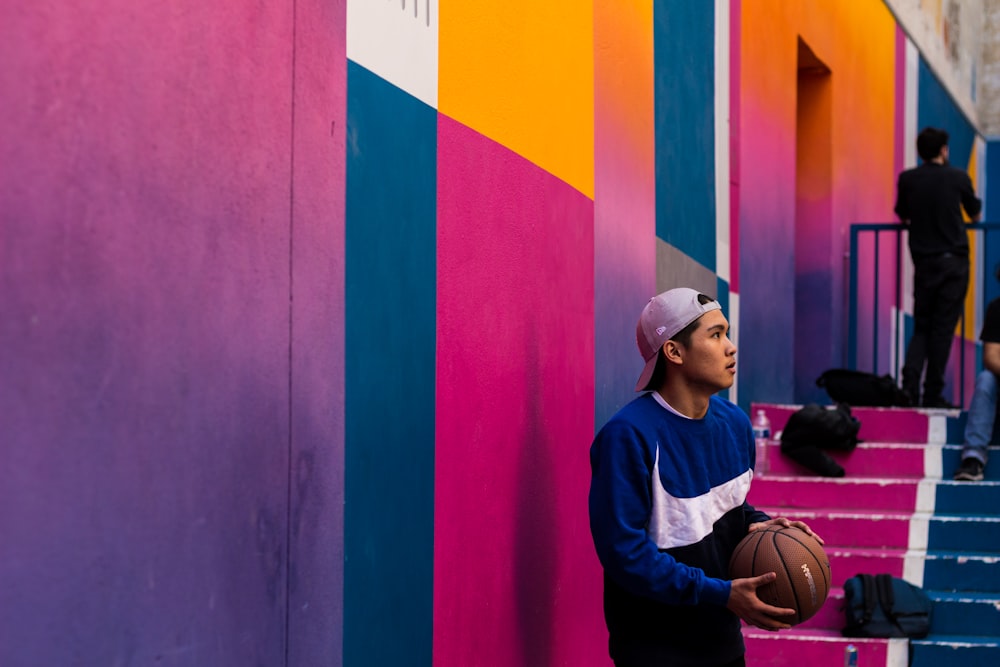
398	41
678	522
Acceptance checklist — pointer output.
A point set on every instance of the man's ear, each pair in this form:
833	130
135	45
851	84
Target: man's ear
672	352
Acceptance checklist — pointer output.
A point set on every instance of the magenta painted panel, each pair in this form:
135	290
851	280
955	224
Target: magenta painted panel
831	614
853	529
847	562
845	492
735	41
867	460
770	649
516	580
877	424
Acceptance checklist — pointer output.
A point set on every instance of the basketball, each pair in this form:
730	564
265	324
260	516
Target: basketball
802	566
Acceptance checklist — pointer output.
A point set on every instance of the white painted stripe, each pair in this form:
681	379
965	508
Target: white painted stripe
932	461
926	495
913	567
678	522
722	120
937	427
898	653
919	530
398	41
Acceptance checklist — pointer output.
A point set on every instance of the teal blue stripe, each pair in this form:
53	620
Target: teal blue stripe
684	56
389	374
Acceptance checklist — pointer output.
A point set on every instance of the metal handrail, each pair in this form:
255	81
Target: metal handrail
897	230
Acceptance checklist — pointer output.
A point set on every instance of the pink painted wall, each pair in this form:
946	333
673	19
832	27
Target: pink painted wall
516	579
171	179
624	195
856	42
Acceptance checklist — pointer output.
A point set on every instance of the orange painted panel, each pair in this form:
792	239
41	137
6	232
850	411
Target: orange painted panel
521	72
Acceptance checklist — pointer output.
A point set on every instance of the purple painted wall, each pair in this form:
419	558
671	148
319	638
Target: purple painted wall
171	179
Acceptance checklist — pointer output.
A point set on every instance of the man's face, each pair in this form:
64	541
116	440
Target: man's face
710	358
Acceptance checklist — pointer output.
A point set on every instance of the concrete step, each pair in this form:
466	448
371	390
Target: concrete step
831	615
964	650
875	494
916	426
971	498
963	532
897	512
867	460
798	646
965	613
856	528
847	562
962	571
951	456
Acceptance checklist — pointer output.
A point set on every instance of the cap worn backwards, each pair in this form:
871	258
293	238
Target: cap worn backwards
663	318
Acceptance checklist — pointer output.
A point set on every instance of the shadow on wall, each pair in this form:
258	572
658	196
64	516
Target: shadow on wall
535	557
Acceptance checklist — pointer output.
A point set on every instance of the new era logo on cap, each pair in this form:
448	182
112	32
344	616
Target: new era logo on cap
663	318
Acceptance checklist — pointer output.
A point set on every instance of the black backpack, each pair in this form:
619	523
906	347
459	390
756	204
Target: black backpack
885	606
858	388
813	429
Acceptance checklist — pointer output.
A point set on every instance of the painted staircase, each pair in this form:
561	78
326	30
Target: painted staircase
896	511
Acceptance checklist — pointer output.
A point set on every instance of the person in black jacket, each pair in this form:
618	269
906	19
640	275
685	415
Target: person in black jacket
929	200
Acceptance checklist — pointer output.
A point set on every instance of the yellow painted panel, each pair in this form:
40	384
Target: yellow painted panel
973	294
521	72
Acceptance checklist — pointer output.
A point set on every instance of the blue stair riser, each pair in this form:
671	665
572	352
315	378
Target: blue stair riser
951	457
962	572
964	533
965	614
982	498
931	653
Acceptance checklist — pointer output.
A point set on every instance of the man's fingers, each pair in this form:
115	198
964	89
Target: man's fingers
765	578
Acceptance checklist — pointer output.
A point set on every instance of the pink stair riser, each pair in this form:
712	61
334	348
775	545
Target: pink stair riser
845	563
868	460
831	615
877	424
877	495
794	648
853	529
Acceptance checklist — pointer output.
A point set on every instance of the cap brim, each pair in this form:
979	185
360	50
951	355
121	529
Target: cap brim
647	373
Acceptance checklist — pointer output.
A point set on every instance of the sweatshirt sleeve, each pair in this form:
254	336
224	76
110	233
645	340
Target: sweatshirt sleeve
620	505
970	202
753	515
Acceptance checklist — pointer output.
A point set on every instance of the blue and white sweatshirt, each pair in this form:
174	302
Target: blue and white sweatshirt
667	509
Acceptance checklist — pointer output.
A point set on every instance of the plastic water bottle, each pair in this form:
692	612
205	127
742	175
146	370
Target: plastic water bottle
850	656
761	436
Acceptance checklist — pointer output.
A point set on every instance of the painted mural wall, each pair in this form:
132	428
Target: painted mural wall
171	327
310	312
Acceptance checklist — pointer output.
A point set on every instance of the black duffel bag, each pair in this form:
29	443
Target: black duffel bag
858	388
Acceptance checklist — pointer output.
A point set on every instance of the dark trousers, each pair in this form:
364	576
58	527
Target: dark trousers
939	286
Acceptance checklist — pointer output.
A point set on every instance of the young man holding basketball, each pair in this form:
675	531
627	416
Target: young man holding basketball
670	476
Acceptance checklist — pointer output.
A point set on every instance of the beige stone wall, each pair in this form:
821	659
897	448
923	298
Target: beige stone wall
989	79
950	36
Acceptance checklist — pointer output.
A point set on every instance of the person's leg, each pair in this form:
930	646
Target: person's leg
979	428
945	311
916	350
